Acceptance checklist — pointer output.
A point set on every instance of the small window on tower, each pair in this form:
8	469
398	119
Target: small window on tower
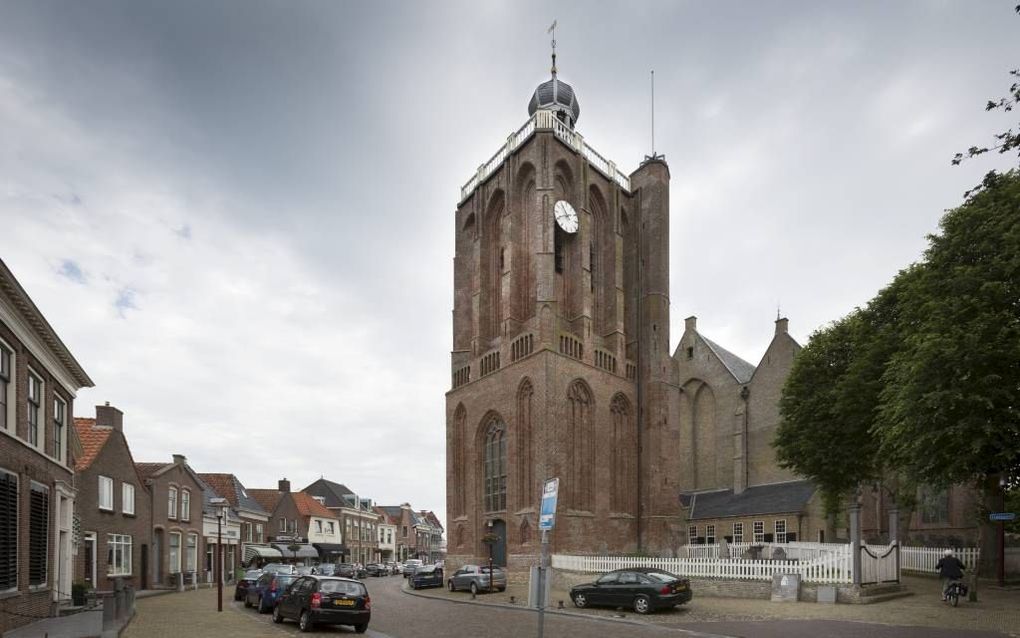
690	352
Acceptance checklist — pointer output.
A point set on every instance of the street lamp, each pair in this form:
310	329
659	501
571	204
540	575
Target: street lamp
222	508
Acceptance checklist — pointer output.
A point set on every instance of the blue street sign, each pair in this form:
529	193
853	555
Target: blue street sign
547	514
1002	516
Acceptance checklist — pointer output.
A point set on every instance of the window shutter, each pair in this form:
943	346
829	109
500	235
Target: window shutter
8	530
38	535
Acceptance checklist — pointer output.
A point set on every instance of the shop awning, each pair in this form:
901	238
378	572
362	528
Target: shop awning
304	551
262	551
330	548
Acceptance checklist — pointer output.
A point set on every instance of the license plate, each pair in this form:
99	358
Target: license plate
343	603
680	588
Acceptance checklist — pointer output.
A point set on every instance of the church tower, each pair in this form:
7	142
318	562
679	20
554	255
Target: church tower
560	364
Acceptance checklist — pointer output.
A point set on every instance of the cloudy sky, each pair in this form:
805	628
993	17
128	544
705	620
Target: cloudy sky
239	215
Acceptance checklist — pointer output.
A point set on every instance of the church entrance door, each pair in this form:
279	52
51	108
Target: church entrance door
499	547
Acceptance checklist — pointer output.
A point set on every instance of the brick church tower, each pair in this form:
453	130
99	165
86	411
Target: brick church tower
560	364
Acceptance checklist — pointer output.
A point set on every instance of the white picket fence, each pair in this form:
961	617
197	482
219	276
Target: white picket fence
832	567
800	551
923	559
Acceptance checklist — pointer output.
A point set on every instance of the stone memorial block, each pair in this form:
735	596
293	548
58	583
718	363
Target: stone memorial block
785	588
827	594
779	554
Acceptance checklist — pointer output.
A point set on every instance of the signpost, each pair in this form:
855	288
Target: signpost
546	521
1002	518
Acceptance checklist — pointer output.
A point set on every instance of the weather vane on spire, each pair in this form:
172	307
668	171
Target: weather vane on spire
552	30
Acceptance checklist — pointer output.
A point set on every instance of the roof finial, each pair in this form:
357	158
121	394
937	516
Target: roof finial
552	30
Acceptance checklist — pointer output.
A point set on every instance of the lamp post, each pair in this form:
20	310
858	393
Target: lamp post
221	515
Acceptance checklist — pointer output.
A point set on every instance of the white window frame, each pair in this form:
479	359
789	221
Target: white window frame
758	531
171	502
17	529
60	425
10	396
118	555
738	532
40	415
174	558
780	535
318	526
258	532
127	498
249	531
283	524
105	493
185	504
692	534
710	534
191	553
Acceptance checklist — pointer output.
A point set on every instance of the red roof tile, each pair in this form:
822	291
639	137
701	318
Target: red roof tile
308	506
222	484
145	470
268	499
92	438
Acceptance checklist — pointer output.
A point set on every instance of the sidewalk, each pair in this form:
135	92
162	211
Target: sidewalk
997	610
193	613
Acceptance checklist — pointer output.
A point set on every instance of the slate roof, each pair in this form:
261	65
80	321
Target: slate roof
336	494
777	498
229	487
740	369
268	499
92	438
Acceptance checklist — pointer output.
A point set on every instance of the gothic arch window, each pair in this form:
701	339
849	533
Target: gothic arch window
704	449
460	535
494	465
525	207
457	452
581	444
525	532
493	240
525	461
624	460
601	262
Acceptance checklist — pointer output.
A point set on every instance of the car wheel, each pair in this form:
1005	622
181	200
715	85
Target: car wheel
474	589
449	585
305	622
362	628
580	600
642	605
277	616
247	603
501	589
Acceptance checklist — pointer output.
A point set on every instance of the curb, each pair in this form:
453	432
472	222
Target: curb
567	614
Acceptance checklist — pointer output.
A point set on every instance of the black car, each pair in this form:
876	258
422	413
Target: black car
643	589
377	569
244	583
428	576
325	600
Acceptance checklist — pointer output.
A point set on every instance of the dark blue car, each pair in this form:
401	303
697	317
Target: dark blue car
427	576
267	590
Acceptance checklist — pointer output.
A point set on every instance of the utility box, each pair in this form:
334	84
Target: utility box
533	597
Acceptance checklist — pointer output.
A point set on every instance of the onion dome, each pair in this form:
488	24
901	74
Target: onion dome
556	95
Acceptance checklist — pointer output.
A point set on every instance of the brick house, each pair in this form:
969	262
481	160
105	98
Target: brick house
358	518
38	380
175	492
252	517
300	519
415	535
113	505
387	536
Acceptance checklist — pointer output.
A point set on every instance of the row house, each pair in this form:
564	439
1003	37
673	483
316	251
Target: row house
221	526
39	378
418	534
434	536
113	505
301	528
358	519
252	517
177	520
387	536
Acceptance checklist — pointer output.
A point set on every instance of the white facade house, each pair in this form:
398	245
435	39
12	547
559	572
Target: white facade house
324	530
387	541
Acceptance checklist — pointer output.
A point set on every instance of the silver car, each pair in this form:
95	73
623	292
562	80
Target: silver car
477	578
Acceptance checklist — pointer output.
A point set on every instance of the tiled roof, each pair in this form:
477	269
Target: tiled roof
308	506
228	486
388	517
92	438
145	470
777	498
268	499
740	369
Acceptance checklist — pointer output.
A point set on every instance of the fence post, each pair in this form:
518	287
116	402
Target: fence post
855	541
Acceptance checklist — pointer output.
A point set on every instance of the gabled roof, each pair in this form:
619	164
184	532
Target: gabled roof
208	494
431	517
776	498
229	487
391	511
308	506
336	494
92	438
741	370
268	499
148	470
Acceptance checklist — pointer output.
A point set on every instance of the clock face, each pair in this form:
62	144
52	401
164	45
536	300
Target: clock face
566	216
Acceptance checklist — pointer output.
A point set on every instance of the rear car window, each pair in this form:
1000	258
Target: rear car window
663	577
285	579
342	587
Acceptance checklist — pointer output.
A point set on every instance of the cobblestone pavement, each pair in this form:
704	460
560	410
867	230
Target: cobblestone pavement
397	614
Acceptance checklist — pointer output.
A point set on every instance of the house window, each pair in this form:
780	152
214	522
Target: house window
127	498
35	391
781	530
329	528
6	374
175	552
171	505
191	553
495	467
38	534
185	505
692	534
283	524
710	534
8	531
106	493
318	527
118	555
293	526
248	528
738	532
934	505
405	531
59	427
759	531
258	533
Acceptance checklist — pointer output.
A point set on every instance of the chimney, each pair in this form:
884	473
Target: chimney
283	485
180	459
782	326
110	417
691	323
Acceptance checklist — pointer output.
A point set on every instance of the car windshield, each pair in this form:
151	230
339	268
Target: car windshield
662	577
341	587
495	570
282	580
253	574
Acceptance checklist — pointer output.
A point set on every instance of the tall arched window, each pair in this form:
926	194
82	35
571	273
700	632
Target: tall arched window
495	466
581	443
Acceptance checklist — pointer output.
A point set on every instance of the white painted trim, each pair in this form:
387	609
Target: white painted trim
12	389
41	417
27	336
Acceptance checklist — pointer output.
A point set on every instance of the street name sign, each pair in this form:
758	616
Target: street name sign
1002	516
547	514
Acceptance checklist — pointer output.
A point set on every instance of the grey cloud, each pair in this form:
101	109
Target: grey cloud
71	270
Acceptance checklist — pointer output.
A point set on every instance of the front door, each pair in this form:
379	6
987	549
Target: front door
499	547
157	557
145	567
90	559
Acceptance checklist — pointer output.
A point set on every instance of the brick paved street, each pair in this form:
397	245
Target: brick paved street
397	614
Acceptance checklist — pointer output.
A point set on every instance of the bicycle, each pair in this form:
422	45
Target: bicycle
955	591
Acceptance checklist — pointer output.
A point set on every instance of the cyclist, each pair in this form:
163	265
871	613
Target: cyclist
950	569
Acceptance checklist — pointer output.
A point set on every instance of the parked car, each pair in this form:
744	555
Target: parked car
327	569
476	578
643	589
393	567
306	570
263	594
278	568
348	570
325	600
426	576
246	581
409	566
377	569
